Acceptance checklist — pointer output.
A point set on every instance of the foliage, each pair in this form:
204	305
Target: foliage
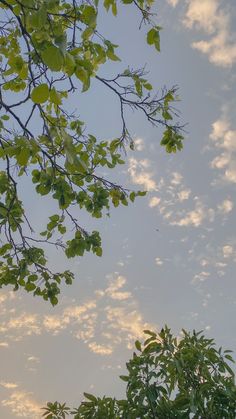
50	50
168	377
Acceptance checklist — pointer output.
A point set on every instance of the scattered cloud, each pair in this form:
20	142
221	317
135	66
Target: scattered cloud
213	21
139	171
25	324
139	144
201	276
8	385
23	405
33	358
102	322
128	325
114	286
184	194
226	206
173	3
228	251
195	217
4	344
223	137
176	179
159	262
100	349
154	201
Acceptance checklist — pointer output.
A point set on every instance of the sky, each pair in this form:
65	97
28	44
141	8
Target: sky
170	257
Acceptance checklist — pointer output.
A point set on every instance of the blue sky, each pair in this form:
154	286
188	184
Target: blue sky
183	274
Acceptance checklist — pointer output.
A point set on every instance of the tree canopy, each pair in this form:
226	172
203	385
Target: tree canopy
168	377
51	50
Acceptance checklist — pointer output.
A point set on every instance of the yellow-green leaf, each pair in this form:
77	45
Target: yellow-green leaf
40	93
53	58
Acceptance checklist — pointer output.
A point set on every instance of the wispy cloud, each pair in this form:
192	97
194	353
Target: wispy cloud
8	385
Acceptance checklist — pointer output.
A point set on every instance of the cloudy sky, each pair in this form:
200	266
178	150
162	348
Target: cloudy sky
183	274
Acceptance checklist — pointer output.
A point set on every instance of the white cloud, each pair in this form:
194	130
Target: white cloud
22	405
211	19
221	161
228	251
194	217
159	262
223	137
139	144
141	175
154	201
219	128
184	194
173	3
176	179
201	276
226	206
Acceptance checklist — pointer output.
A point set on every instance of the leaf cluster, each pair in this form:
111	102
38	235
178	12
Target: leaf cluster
50	50
167	377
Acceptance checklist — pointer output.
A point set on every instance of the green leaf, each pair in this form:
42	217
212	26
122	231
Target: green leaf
40	93
90	397
124	378
55	97
153	37
99	251
53	58
29	286
23	157
132	196
138	345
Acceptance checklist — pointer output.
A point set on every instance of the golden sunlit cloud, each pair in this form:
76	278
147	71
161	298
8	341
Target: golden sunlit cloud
8	385
100	349
103	322
4	344
22	405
